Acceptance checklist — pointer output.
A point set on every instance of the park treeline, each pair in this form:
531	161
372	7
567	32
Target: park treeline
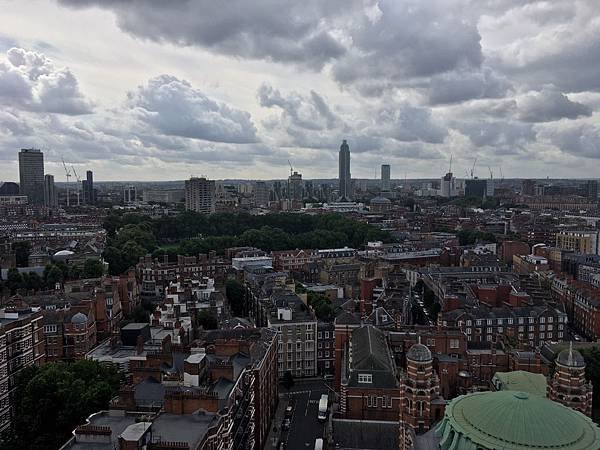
134	235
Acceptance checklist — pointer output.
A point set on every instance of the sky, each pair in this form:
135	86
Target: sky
163	90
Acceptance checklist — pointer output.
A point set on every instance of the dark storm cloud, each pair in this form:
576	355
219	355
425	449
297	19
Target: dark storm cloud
459	86
549	105
174	107
283	31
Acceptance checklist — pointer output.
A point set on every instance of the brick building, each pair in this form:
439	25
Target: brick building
21	346
568	385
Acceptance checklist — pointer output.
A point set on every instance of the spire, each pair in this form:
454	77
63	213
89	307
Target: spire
570	360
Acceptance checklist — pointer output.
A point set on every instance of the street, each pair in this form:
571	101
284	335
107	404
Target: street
304	427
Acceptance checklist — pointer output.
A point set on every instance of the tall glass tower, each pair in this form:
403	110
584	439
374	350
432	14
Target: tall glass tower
344	177
31	175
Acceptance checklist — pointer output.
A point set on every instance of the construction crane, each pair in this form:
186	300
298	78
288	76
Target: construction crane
491	173
68	175
473	168
450	167
291	168
501	176
78	183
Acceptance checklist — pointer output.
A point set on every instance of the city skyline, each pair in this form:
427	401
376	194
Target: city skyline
514	85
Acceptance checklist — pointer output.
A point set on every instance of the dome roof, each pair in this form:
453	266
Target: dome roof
79	318
380	201
570	358
419	353
511	420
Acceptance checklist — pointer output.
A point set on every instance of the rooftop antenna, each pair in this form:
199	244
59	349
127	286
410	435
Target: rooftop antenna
68	175
450	167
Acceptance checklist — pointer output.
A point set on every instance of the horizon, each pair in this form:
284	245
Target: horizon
158	92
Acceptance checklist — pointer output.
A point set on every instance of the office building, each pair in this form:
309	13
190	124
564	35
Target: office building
9	188
447	187
385	178
50	197
261	194
528	187
475	188
21	346
579	241
129	195
592	189
31	175
295	186
200	195
87	186
344	173
164	195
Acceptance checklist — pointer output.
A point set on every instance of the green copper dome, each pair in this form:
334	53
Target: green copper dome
510	420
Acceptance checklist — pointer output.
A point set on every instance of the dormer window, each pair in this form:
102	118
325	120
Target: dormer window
365	378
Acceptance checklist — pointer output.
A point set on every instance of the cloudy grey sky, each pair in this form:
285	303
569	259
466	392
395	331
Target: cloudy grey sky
160	90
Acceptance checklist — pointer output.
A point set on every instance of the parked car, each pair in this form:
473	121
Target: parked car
286	424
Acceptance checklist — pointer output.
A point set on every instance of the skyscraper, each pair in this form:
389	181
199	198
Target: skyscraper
296	187
50	198
88	188
344	176
200	195
385	178
31	175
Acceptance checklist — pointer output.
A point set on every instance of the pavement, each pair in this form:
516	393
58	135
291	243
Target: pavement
305	427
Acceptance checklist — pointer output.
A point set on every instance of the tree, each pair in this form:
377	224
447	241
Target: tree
33	282
67	393
14	280
53	275
288	380
235	295
208	320
93	268
22	251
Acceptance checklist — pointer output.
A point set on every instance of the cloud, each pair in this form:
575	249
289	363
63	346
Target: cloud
408	40
276	30
549	105
30	81
459	86
578	139
174	107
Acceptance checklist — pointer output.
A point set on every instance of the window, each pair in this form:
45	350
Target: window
327	354
469	322
550	327
542	319
510	321
327	364
521	320
365	378
489	321
320	335
327	335
430	342
479	322
469	330
500	330
550	319
455	343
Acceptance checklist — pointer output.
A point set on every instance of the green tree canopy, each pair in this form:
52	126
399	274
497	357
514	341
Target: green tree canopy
92	268
51	400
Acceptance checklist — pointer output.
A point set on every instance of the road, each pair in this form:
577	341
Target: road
305	427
